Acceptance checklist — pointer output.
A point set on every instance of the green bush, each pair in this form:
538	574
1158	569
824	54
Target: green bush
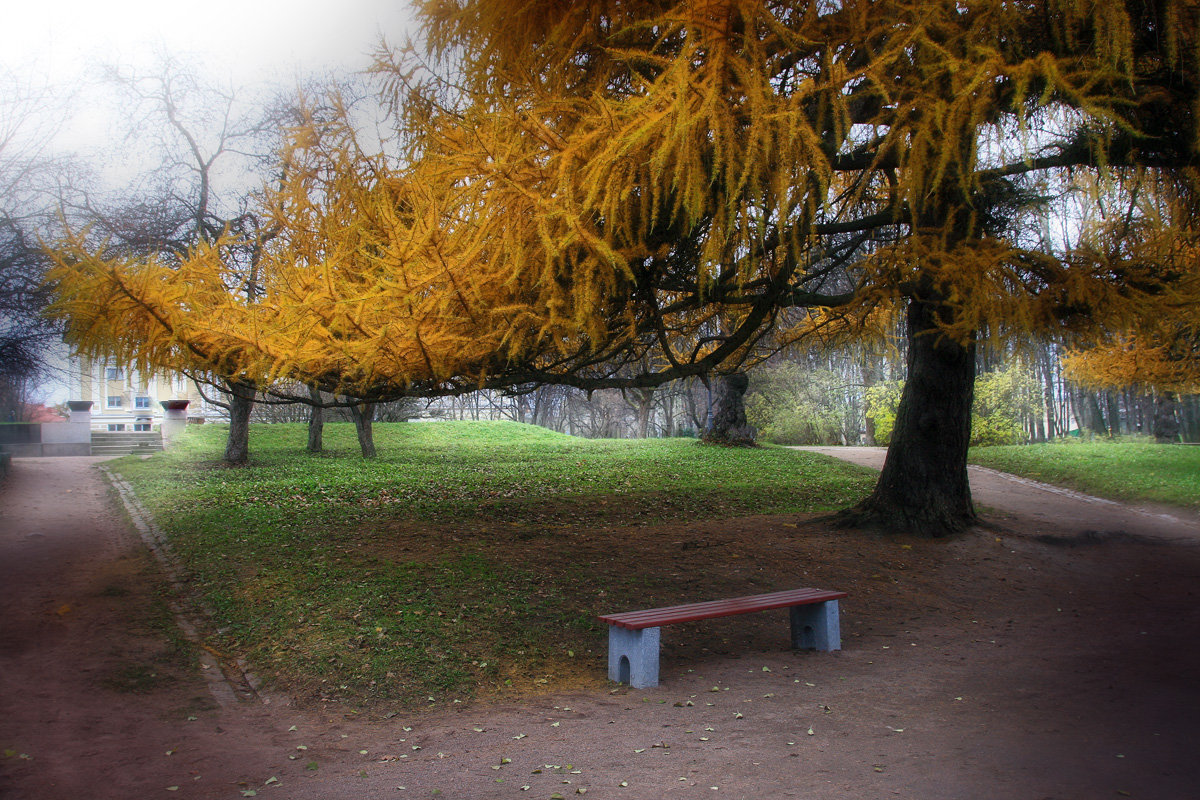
882	400
1002	399
792	405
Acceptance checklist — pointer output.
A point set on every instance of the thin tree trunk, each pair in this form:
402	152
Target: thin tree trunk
669	413
1166	421
727	416
241	403
1066	405
363	414
923	487
693	407
1189	412
1051	415
316	422
645	405
1113	407
870	377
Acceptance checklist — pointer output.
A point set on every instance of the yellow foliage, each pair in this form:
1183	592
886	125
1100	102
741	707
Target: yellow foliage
1167	364
666	187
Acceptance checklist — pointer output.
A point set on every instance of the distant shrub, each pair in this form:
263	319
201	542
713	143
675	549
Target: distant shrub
1002	399
790	404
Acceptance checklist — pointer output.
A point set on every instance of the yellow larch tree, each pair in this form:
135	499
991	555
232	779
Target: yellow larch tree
691	180
616	194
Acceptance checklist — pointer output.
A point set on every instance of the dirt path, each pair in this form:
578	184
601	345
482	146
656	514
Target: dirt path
991	666
97	685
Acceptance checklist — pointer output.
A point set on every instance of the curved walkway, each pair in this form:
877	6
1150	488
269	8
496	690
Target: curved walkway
1036	503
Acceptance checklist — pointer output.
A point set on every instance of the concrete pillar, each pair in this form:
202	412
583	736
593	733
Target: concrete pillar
816	627
633	656
81	410
73	437
174	419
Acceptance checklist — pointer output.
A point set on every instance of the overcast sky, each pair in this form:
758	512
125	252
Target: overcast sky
239	44
245	40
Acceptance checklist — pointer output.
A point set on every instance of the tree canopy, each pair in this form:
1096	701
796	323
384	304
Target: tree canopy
615	194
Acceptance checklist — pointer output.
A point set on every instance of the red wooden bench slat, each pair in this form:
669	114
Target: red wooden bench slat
691	612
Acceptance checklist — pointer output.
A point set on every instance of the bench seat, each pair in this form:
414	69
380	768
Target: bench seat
634	636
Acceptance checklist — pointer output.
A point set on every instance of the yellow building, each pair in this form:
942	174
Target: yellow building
123	400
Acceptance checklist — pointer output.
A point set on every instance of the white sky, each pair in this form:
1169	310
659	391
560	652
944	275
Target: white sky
242	40
234	44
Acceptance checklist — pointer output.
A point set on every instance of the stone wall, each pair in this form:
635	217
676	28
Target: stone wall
33	439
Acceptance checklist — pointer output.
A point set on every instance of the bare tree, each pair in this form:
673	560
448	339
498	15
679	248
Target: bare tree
208	150
26	173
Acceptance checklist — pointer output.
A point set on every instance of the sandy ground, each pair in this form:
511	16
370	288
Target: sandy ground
1053	654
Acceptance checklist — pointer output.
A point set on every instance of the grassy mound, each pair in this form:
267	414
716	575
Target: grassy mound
466	557
1135	470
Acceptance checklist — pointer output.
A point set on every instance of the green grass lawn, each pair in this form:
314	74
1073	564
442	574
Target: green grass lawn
1119	470
448	563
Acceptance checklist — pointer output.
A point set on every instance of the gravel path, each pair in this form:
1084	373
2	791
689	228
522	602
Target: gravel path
989	666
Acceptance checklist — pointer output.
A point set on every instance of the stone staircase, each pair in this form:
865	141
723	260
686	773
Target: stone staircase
120	443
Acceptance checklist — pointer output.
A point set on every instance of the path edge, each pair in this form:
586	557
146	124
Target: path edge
229	679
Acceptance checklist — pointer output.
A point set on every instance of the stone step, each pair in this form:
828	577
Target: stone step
112	443
126	434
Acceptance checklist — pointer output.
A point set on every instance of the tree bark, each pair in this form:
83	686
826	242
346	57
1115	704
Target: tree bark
363	414
1090	404
316	422
241	403
727	414
644	407
1166	421
669	413
923	487
1113	408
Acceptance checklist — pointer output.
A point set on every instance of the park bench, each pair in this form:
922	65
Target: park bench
633	636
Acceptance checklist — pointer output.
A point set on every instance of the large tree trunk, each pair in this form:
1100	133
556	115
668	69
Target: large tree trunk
1089	404
1112	407
727	413
1166	422
923	487
241	403
316	422
363	414
644	406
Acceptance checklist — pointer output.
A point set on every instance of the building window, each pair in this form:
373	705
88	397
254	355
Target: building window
114	374
116	427
141	402
141	426
114	401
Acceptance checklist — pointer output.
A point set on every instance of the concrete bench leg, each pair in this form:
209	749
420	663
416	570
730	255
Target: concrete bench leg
633	656
816	626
